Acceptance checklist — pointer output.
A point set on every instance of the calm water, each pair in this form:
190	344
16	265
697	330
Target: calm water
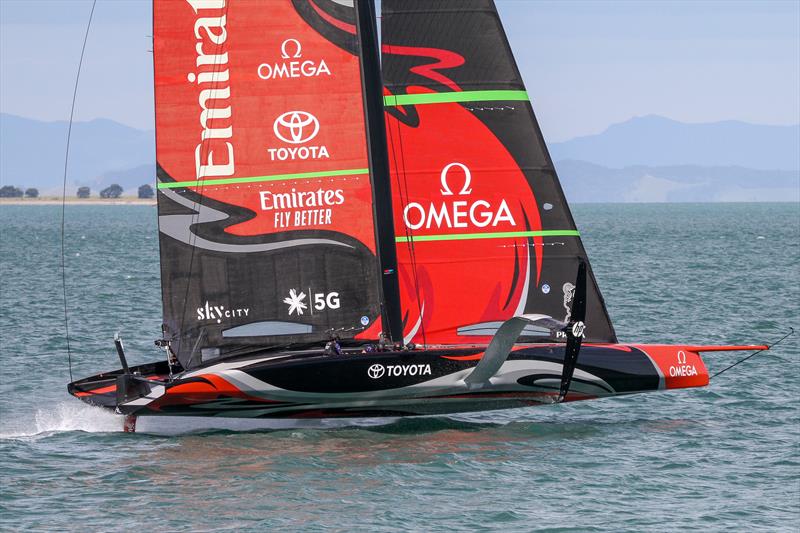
726	457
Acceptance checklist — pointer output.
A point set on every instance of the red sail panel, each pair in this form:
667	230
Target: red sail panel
265	201
461	210
483	230
250	91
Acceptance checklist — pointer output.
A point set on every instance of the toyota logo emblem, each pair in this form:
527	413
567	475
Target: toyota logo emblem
376	371
296	127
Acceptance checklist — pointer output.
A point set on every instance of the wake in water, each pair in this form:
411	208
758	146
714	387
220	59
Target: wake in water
181	425
73	416
65	416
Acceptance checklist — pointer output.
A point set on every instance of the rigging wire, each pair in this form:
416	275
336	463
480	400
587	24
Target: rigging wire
64	190
791	332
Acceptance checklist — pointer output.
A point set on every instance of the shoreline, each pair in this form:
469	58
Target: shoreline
78	201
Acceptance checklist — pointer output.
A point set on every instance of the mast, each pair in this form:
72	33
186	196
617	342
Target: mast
372	84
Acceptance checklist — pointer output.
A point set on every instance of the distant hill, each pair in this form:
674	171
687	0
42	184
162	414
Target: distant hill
587	182
32	153
647	159
659	141
129	179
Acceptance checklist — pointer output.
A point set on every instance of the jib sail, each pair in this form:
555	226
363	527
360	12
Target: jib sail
264	197
483	230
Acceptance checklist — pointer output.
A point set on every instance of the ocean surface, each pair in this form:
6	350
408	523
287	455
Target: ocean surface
721	458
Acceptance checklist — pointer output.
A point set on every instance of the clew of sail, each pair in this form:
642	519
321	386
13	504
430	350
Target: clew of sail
483	230
264	198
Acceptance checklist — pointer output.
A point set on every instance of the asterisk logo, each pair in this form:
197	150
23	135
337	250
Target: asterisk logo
295	302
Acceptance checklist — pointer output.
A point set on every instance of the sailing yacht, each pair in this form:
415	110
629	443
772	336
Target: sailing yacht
360	227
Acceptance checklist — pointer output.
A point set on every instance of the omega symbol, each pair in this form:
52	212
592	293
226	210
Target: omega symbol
467	180
298	49
296	127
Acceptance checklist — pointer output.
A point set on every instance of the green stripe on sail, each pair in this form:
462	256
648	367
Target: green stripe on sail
463	96
498	235
256	179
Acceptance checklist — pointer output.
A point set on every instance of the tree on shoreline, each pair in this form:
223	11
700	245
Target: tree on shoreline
9	191
31	192
84	192
112	191
146	191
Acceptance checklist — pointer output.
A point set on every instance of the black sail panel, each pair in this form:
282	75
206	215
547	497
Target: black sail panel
264	196
483	230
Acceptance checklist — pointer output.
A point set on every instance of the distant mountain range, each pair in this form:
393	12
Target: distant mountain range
32	154
659	141
587	182
644	159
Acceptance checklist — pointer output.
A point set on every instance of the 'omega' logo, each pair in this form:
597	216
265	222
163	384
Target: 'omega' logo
467	180
296	127
298	52
376	371
453	213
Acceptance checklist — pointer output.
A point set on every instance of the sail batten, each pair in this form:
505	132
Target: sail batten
498	235
255	179
460	96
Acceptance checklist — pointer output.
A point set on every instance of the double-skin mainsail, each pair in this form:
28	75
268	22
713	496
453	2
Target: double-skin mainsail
267	214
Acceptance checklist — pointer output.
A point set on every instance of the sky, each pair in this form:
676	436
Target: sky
586	64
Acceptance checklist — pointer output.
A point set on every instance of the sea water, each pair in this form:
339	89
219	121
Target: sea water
725	457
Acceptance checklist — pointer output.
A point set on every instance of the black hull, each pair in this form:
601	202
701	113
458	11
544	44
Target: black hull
313	384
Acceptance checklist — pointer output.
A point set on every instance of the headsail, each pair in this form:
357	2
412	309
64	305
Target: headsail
264	197
483	230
